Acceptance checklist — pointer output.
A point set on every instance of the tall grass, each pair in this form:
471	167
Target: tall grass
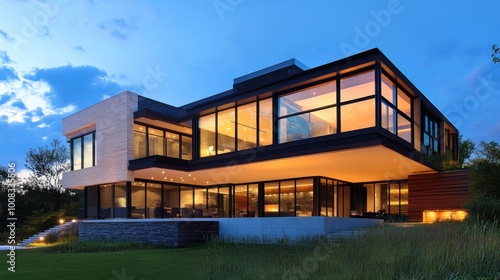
446	250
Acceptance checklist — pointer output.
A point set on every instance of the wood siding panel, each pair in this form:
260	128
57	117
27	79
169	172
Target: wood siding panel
436	191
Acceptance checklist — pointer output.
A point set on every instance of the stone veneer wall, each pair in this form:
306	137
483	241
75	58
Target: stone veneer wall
171	233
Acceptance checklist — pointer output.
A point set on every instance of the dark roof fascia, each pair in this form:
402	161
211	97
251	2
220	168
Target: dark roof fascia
206	100
153	115
159	162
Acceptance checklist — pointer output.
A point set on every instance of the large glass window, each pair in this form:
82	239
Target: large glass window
271	199
430	134
138	202
140	143
88	150
396	110
187	147
303	114
106	201
388	117
240	200
82	151
207	135
357	115
120	198
357	86
247	126
304	196
171	201
162	142
92	202
154	209
172	141
236	128
187	202
77	154
287	198
226	131
404	102
253	200
265	122
156	142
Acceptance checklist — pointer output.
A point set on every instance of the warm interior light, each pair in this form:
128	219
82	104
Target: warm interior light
430	216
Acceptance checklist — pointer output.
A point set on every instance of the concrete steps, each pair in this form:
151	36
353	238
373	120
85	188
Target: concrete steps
66	227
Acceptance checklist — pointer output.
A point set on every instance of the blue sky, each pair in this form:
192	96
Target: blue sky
60	56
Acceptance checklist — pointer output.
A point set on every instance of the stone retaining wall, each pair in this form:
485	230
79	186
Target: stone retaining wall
171	233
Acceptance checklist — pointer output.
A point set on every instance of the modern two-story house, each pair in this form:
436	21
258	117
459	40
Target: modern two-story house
338	140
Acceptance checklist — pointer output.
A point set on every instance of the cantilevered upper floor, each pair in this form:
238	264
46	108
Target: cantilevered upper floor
357	119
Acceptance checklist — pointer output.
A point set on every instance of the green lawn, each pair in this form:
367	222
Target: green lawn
438	251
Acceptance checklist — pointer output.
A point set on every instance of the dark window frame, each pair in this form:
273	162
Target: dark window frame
82	155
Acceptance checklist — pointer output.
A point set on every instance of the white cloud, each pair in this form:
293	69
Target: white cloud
28	100
43	125
44	138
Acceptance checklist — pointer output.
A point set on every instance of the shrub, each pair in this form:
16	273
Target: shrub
486	209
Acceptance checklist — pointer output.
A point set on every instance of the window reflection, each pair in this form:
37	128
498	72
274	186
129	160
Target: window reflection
295	125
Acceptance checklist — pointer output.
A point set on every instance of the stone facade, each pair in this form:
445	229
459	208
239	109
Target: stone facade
170	233
113	121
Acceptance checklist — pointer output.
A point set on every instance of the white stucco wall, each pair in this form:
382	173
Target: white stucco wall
113	121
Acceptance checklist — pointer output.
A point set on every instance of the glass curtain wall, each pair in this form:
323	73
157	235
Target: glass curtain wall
138	203
92	202
140	143
236	128
106	201
288	198
153	203
304	197
387	198
357	97
308	113
396	110
149	141
120	200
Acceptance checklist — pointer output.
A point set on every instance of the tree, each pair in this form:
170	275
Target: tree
446	162
48	164
496	52
484	172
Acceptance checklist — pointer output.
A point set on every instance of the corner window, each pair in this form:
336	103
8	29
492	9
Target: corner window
83	151
396	110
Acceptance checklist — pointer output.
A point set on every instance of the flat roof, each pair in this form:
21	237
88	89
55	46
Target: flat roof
267	70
